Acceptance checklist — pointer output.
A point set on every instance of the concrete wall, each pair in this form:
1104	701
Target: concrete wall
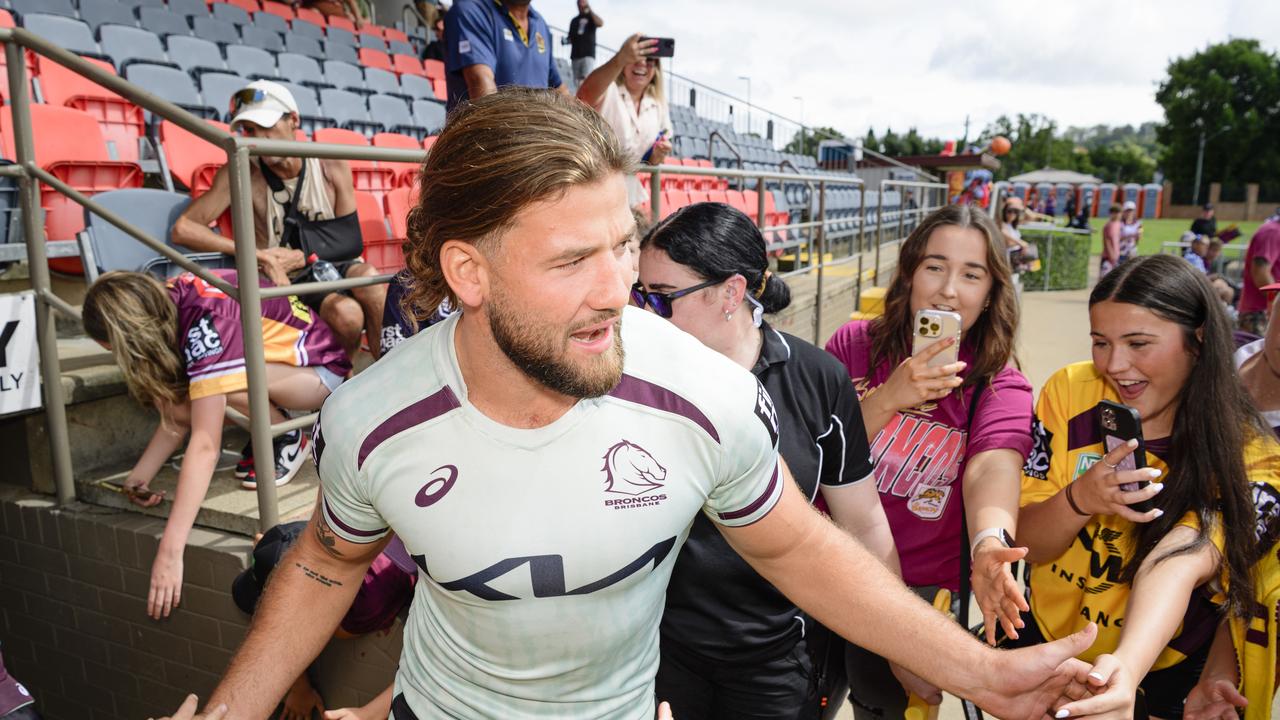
1249	210
74	628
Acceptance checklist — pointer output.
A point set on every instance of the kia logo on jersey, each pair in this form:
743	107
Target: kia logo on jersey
442	479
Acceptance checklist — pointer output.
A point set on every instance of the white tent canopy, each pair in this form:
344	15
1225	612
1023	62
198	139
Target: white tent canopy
1051	175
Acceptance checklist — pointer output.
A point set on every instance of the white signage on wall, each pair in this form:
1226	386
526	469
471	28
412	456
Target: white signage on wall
19	354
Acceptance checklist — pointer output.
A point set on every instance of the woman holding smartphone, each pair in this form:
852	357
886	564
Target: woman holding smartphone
1154	582
948	439
732	645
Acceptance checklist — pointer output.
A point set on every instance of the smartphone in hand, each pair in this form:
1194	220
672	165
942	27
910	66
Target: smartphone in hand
649	153
1119	424
666	47
932	326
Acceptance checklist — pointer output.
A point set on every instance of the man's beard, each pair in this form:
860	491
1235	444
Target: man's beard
541	351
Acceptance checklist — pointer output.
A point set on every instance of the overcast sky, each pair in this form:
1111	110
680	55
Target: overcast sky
927	63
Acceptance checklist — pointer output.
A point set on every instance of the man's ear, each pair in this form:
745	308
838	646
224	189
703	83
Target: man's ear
466	270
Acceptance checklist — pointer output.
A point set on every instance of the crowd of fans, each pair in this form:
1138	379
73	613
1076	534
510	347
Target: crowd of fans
1147	561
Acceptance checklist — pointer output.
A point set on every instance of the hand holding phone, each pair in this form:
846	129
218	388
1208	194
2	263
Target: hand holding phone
933	326
1119	483
931	373
665	47
649	153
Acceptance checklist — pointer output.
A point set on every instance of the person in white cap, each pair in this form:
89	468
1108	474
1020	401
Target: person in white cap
301	207
1130	231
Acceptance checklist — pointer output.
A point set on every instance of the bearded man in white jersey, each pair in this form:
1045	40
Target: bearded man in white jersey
542	455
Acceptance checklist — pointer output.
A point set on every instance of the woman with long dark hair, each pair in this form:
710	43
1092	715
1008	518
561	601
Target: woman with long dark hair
948	441
733	645
1154	581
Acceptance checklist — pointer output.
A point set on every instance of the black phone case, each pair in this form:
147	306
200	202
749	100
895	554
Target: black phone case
1128	426
666	47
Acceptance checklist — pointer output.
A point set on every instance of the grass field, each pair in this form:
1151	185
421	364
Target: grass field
1155	232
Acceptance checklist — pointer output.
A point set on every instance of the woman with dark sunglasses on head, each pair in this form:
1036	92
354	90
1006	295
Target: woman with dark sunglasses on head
732	645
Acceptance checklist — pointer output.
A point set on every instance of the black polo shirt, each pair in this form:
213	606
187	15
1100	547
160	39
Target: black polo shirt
718	606
582	37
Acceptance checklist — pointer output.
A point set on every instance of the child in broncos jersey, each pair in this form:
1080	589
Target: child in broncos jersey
181	349
1154	582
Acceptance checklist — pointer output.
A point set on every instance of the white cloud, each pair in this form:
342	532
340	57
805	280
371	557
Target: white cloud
931	63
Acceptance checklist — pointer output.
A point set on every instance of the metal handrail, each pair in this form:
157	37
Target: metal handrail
880	215
711	144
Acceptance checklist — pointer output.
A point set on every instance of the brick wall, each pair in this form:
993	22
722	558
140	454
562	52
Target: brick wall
73	583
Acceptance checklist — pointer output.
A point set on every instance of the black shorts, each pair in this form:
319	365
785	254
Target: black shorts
315	300
699	688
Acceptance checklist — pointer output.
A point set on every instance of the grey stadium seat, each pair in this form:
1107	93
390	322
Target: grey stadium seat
343	76
417	87
195	55
301	45
401	47
309	111
365	40
198	8
338	35
381	81
250	61
48	7
142	3
163	22
348	110
217	89
341	53
96	13
301	69
258	37
128	45
71	34
267	21
216	30
302	28
231	13
154	212
429	114
395	116
171	84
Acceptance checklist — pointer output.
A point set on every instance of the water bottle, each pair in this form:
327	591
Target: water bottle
323	270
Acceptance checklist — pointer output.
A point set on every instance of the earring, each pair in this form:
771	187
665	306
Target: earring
728	316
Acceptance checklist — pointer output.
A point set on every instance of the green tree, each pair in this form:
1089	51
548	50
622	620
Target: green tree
1122	162
1229	93
1035	144
812	137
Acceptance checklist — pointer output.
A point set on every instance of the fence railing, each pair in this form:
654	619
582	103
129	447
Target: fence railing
810	235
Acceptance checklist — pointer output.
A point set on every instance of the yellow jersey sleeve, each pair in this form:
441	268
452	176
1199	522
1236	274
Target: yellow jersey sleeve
1041	477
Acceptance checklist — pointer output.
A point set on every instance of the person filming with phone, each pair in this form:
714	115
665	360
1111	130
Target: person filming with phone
627	92
1138	496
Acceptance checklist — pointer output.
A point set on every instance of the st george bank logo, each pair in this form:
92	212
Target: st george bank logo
630	471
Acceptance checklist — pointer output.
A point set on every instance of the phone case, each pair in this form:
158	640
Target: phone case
1118	424
932	326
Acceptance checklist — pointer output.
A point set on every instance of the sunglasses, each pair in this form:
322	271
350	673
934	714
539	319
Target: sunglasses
661	302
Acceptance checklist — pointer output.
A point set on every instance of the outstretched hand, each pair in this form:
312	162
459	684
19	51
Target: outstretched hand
1214	700
1026	684
1111	689
996	590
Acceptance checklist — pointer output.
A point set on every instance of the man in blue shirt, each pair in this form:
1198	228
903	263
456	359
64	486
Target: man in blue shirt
491	43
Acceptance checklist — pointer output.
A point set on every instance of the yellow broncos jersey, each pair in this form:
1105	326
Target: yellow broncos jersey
1254	638
1083	584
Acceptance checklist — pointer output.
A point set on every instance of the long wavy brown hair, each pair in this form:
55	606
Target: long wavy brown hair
133	314
498	155
991	338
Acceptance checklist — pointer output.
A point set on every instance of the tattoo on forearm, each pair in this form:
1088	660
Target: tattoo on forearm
326	581
327	538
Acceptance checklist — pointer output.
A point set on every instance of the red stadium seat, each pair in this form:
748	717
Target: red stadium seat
718	196
121	121
407	65
405	172
72	149
751	205
709	182
391	34
249	6
278	8
374	30
428	141
375	59
315	17
379	250
673	200
399	201
434	68
340	22
699	196
367	174
440	87
192	161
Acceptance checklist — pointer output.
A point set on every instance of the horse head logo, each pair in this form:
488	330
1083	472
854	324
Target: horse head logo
630	470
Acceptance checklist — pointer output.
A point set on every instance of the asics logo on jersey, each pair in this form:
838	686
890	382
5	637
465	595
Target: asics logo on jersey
630	470
442	479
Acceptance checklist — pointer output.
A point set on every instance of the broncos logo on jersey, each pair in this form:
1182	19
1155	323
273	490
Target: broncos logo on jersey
631	470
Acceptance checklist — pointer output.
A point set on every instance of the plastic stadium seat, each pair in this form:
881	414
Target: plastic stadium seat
348	111
127	45
308	107
442	88
250	61
429	141
258	37
195	55
372	30
379	251
121	122
407	65
381	81
142	3
230	13
301	69
153	212
375	58
171	84
416	87
303	28
283	10
398	47
343	76
341	53
216	30
71	34
162	22
405	172
366	40
96	13
394	35
398	202
394	114
73	151
270	21
303	45
699	196
198	8
217	89
434	69
429	114
340	36
50	7
311	15
367	175
337	21
246	5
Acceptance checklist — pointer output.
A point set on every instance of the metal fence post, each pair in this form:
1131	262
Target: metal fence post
264	460
655	195
818	247
879	228
55	409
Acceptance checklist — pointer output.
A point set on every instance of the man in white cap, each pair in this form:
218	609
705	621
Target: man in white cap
300	207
